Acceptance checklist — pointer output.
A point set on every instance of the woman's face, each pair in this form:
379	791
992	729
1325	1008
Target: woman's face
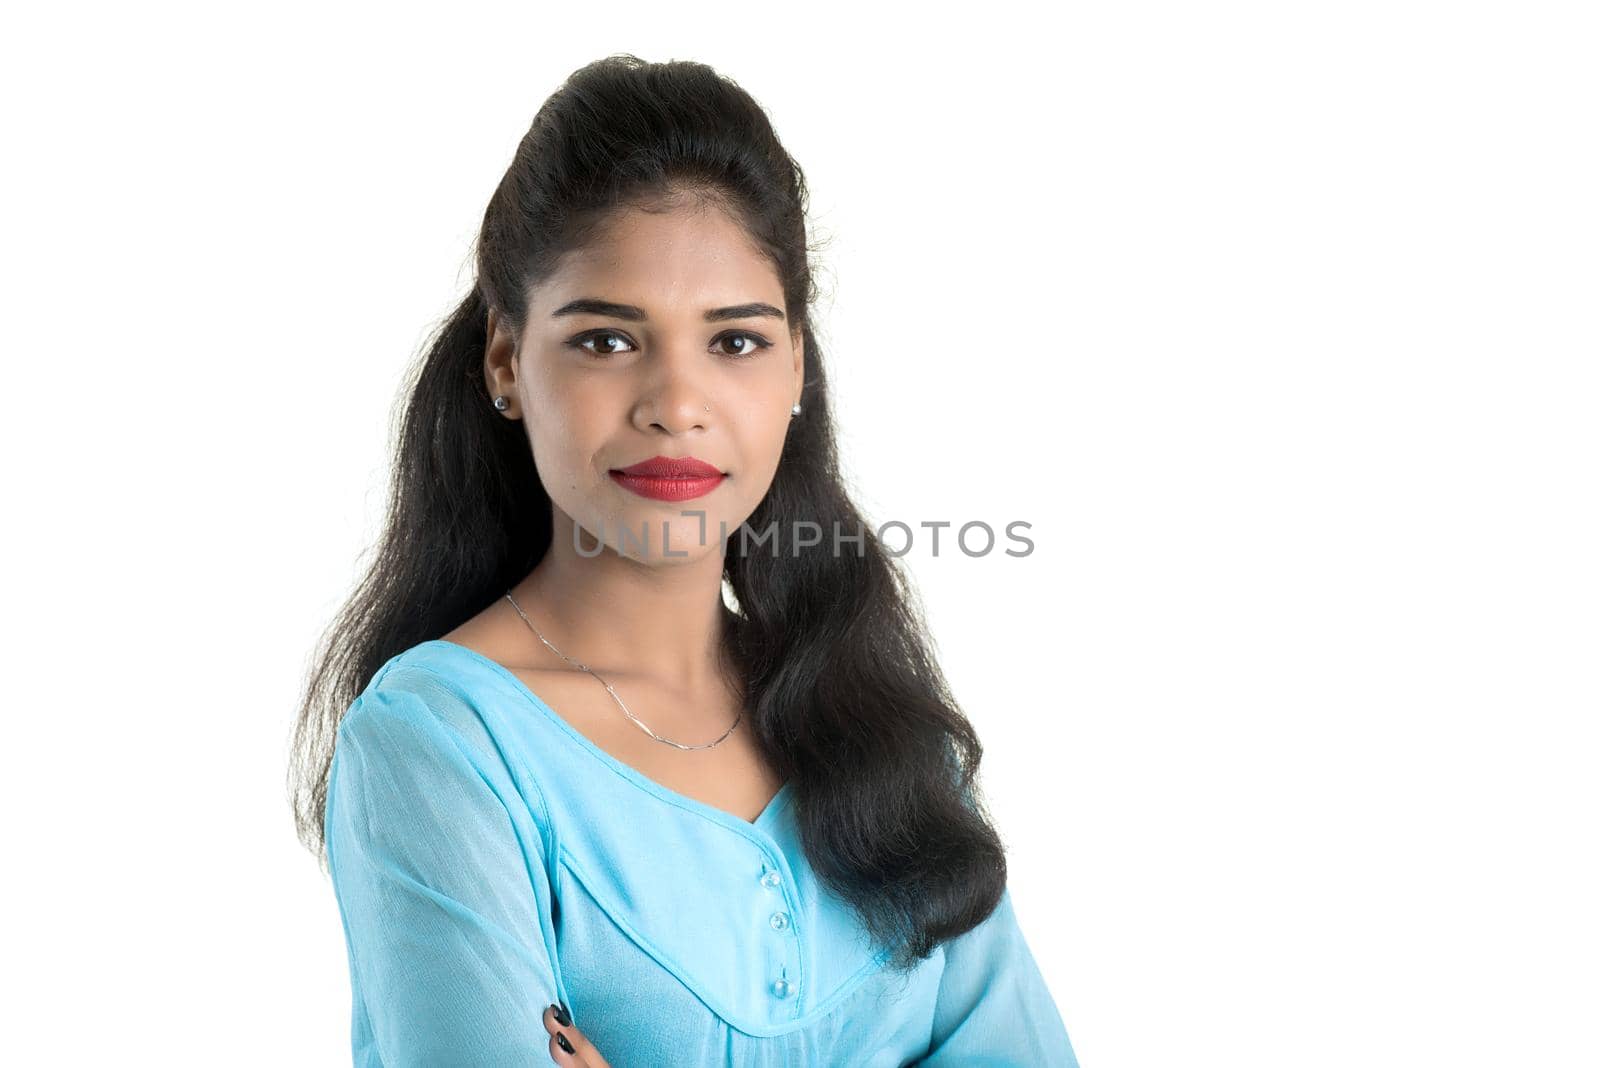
666	336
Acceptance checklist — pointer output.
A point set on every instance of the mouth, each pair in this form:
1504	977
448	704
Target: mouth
668	478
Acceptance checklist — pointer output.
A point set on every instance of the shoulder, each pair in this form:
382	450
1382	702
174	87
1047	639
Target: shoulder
418	736
434	674
426	694
443	704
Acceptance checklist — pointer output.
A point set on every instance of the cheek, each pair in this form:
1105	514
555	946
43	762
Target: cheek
563	451
761	446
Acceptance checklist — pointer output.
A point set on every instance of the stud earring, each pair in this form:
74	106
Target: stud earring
501	404
795	410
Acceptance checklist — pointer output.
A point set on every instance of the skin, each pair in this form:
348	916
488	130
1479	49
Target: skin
598	391
583	1051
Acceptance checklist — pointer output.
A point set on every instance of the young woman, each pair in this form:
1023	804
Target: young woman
613	760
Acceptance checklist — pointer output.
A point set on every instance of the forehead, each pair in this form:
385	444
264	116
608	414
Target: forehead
689	255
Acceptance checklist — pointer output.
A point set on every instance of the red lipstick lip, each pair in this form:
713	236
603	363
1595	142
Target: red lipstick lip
671	467
667	478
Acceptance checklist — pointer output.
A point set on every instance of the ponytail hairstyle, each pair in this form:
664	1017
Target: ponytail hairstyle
843	692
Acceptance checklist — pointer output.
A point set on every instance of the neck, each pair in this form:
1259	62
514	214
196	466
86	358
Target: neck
664	620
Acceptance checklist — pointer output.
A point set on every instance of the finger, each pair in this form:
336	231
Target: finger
582	1052
559	1054
564	1038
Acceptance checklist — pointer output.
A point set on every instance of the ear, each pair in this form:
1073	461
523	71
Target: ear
500	364
799	338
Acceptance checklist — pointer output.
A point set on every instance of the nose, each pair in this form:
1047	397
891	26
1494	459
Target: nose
672	398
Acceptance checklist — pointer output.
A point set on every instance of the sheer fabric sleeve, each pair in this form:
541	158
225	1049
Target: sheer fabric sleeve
437	869
993	1008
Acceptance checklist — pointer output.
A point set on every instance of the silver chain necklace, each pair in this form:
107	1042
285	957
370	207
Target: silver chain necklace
613	693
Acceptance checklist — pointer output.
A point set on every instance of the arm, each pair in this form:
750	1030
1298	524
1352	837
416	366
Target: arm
993	1008
440	878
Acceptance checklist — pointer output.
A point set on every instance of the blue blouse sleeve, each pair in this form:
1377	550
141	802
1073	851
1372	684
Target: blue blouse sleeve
993	1008
437	879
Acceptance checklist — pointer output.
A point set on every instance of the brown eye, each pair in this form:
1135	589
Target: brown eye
749	344
600	336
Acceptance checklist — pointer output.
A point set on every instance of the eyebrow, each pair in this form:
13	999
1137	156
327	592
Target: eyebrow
634	313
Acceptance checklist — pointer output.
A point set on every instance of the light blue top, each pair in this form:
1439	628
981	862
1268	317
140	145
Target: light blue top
489	859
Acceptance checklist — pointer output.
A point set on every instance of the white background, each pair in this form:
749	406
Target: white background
1277	321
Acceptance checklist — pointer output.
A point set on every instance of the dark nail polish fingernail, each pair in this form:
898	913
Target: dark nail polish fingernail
561	1040
562	1015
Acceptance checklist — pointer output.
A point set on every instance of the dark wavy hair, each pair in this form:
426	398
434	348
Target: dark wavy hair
843	691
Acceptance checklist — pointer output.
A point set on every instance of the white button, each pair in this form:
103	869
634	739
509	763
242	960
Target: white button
772	878
780	920
782	988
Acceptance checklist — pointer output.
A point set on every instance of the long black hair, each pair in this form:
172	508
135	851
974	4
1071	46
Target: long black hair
843	691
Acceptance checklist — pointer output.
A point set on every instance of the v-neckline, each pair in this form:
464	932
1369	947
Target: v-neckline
621	767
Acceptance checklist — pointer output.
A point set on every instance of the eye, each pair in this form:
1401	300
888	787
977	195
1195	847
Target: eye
749	344
582	341
760	344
